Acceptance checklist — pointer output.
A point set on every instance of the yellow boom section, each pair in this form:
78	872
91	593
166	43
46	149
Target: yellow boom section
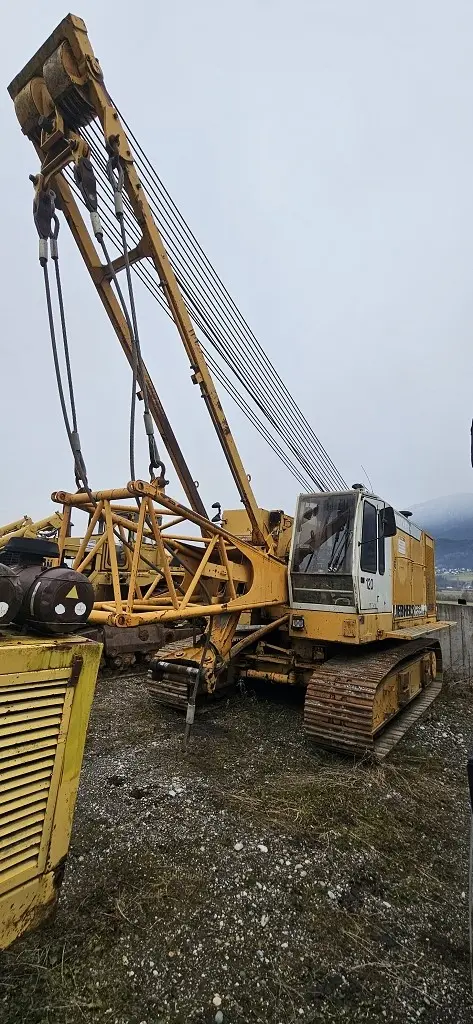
57	93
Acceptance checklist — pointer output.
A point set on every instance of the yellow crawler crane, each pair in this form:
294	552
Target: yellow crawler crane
342	598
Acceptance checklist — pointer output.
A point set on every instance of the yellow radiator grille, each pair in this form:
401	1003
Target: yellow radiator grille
30	721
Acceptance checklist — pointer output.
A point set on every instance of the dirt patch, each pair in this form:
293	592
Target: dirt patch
253	877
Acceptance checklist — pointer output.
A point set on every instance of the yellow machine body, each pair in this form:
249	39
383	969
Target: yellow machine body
349	582
275	524
46	692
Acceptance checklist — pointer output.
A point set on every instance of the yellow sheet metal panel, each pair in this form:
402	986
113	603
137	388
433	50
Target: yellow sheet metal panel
237	522
402	570
25	907
46	692
413	575
418	628
337	627
278	524
401	686
430	575
418	585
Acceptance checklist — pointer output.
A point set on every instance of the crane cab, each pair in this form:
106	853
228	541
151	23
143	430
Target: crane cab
358	569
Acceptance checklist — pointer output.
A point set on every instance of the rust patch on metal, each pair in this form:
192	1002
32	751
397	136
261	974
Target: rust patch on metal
76	669
32	918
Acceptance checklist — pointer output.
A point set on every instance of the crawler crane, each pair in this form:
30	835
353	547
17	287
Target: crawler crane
341	598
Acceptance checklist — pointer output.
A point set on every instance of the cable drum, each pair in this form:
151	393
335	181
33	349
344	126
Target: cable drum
55	601
11	595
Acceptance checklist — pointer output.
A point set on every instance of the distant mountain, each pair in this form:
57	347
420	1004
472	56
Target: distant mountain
450	517
450	521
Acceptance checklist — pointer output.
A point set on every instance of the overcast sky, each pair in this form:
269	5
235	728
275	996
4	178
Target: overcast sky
322	152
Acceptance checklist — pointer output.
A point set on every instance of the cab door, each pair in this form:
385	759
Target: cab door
374	561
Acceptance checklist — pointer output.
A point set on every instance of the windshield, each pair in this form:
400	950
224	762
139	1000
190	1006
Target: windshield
324	534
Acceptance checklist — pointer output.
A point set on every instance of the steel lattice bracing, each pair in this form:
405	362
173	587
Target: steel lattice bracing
219	573
82	129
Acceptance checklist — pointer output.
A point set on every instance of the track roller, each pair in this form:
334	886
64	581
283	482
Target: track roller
168	679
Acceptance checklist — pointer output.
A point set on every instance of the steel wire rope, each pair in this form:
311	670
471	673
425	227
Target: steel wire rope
193	307
150	283
159	185
328	468
196	311
157	295
57	366
47	225
202	326
85	186
234	395
79	463
116	182
80	191
73	435
152	287
277	382
312	441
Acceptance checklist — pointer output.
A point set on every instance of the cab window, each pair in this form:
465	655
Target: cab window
369	538
381	548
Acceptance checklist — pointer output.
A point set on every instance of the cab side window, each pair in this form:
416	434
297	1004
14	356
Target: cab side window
381	548
369	539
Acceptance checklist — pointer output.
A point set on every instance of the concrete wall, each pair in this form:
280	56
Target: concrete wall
457	642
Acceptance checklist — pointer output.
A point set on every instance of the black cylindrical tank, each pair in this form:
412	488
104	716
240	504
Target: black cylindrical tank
11	593
55	600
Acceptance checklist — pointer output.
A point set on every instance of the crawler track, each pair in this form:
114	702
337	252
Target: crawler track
341	696
172	689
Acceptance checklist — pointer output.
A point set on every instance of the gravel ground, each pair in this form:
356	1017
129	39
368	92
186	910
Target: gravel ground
253	879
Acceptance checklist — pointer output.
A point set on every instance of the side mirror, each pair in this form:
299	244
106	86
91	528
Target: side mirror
387	522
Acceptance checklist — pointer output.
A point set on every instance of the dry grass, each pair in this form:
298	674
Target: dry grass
362	882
